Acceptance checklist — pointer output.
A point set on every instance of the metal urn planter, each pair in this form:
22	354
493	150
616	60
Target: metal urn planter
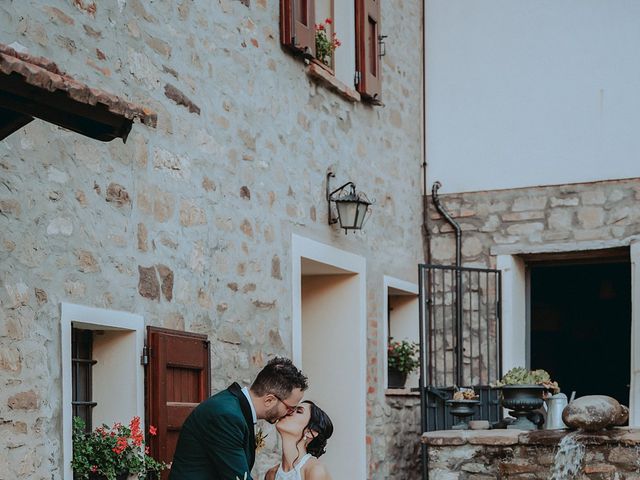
521	400
461	409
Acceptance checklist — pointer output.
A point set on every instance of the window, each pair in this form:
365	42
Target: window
402	322
102	378
82	363
356	63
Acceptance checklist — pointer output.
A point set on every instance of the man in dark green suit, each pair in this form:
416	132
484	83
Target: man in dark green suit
217	441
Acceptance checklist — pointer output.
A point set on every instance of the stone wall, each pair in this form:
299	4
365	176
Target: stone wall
190	224
525	220
536	220
513	454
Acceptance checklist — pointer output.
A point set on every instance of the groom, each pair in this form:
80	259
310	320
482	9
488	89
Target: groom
217	441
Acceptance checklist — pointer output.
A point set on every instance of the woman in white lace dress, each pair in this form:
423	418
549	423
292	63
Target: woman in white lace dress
304	436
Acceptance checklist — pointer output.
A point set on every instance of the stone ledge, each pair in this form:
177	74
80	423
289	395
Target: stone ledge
400	392
321	75
473	437
619	435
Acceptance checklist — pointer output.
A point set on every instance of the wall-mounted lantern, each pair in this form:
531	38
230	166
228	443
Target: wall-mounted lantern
352	207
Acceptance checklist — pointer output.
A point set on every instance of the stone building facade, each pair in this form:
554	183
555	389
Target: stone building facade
190	225
537	219
517	230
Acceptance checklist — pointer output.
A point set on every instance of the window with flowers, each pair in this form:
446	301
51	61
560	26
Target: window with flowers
341	37
102	378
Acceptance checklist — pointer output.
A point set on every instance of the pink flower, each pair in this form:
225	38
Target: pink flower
153	430
94	468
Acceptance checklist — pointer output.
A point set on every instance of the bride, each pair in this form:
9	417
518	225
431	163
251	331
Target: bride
304	436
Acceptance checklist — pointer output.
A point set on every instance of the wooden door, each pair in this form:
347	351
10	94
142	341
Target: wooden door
178	372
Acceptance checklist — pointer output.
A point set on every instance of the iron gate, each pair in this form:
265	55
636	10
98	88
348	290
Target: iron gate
460	341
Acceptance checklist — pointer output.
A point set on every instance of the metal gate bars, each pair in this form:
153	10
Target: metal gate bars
460	340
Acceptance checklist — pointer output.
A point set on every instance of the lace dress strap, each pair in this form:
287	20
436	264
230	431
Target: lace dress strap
295	473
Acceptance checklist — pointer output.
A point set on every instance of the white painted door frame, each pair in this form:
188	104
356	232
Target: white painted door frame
305	248
514	313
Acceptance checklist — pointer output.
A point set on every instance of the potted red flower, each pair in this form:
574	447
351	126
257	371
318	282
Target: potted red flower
326	42
112	453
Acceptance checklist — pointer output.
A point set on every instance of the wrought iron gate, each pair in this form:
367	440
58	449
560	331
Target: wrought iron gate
460	341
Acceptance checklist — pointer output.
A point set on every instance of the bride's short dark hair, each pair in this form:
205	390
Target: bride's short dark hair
320	423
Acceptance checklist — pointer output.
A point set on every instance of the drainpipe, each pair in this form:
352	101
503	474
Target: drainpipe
458	319
426	245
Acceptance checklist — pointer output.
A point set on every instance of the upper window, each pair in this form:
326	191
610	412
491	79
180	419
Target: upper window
343	37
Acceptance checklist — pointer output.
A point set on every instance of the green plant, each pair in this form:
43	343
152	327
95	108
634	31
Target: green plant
110	451
522	376
403	356
325	43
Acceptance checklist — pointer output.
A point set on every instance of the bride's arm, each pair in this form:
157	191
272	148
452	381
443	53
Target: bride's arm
317	471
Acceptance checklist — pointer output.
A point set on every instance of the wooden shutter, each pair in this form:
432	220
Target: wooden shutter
297	26
367	49
177	381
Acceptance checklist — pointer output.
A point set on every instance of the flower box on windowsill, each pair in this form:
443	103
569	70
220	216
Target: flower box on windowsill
323	74
323	65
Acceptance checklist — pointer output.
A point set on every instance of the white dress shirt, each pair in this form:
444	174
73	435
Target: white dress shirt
245	390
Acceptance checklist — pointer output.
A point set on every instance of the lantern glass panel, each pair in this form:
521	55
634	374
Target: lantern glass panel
347	211
362	213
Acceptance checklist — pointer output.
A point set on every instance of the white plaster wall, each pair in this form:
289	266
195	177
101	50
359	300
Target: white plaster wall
332	360
525	93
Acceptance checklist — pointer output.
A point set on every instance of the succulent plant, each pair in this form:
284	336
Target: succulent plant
522	376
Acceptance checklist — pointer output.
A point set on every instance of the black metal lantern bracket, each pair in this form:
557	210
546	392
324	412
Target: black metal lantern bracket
347	194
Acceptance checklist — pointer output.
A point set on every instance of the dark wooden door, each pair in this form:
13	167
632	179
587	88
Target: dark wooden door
177	381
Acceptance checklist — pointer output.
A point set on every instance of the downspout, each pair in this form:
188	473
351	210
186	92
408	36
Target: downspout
426	233
449	219
426	246
458	319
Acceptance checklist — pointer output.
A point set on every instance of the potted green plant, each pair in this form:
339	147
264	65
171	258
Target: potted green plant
112	453
523	391
402	359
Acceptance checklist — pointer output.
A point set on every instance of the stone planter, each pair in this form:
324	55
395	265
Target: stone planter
521	400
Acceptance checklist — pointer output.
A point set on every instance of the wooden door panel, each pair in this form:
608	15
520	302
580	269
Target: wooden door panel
177	381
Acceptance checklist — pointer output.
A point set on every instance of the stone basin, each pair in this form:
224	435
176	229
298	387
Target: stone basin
514	454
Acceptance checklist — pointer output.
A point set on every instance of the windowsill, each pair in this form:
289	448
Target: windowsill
400	392
322	75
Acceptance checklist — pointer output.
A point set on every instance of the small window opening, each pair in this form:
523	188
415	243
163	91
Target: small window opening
82	363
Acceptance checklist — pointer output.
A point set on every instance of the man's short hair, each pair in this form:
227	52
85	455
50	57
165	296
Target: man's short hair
279	377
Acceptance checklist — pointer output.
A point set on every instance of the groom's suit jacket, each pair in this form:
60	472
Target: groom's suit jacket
217	441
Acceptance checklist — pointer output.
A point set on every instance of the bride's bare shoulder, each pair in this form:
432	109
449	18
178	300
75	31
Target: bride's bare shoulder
271	473
315	470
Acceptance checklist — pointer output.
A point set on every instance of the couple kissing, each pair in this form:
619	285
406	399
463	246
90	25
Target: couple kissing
217	440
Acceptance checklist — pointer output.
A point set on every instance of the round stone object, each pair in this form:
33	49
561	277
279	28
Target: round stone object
592	412
623	417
